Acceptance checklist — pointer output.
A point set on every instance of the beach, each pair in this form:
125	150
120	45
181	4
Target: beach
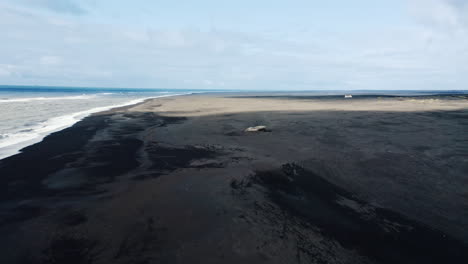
370	179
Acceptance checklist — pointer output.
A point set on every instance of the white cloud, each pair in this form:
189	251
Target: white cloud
4	72
442	14
60	6
50	60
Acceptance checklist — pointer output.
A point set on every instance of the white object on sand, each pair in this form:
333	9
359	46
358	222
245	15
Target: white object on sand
257	129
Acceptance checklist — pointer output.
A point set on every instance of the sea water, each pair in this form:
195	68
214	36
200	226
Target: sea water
28	114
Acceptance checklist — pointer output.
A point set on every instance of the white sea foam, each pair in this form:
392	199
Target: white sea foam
11	144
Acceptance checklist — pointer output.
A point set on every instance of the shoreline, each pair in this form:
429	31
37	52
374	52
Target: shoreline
176	179
70	120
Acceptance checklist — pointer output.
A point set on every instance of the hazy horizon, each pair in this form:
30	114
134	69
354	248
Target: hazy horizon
108	88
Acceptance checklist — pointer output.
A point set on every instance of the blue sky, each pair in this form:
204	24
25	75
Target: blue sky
208	44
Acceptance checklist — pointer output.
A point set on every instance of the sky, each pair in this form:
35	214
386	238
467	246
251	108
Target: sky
241	44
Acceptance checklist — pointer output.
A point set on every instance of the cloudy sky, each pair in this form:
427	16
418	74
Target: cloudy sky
241	44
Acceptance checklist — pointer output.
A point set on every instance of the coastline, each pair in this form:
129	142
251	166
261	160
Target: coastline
61	122
176	179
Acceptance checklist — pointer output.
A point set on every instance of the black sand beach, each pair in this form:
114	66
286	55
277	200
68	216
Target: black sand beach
177	180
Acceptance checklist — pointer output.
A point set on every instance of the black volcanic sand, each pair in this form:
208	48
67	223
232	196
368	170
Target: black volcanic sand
381	234
128	186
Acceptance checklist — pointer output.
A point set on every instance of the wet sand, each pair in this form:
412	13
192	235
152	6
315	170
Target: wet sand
373	179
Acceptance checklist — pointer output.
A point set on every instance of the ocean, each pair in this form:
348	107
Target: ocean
29	113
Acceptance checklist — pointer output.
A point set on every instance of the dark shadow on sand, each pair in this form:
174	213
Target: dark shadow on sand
378	233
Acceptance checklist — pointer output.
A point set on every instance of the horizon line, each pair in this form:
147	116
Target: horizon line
214	89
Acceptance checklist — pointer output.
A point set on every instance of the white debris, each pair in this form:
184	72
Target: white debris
257	129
